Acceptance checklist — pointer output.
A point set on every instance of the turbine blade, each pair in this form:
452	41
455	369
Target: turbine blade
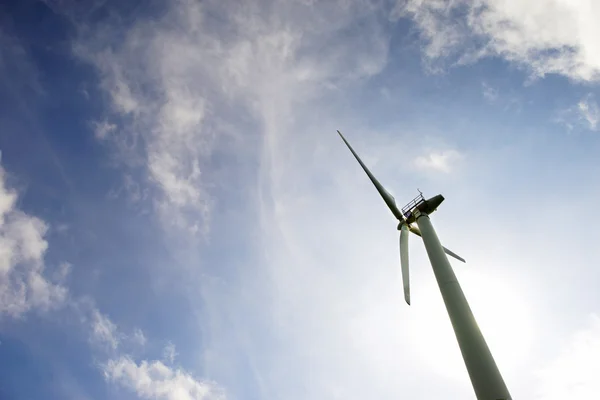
453	254
387	197
417	232
404	262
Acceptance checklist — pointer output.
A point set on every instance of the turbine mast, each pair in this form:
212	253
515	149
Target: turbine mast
481	366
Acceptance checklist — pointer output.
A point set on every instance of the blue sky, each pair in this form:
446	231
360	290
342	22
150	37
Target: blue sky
179	220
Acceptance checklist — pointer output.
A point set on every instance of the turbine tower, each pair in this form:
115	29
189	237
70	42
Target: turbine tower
486	379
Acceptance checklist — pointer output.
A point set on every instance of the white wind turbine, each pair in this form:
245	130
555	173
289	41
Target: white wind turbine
486	379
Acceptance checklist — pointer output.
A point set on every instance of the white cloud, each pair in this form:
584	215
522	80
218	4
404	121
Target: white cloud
489	93
169	353
104	331
61	228
573	374
62	272
148	379
179	80
269	68
155	380
547	36
103	130
166	131
589	112
584	115
139	338
438	161
23	285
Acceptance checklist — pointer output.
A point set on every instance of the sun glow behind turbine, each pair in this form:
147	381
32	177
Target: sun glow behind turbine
505	320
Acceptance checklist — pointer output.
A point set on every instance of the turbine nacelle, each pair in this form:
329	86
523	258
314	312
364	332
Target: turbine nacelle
430	205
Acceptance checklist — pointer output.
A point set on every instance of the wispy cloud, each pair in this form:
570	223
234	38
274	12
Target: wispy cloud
24	287
167	130
190	91
62	272
139	338
155	380
23	284
179	80
104	331
545	37
149	379
103	130
105	336
489	93
584	115
589	111
169	353
183	81
444	161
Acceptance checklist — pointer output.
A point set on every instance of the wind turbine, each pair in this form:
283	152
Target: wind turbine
486	379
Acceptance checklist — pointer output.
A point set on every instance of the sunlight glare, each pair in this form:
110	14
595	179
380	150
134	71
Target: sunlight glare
503	317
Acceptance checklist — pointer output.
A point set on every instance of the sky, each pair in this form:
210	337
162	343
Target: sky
179	219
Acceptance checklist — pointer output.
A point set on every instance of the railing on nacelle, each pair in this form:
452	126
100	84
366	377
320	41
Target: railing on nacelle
406	210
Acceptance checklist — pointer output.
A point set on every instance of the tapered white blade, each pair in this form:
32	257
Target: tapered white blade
404	262
417	232
453	254
387	197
